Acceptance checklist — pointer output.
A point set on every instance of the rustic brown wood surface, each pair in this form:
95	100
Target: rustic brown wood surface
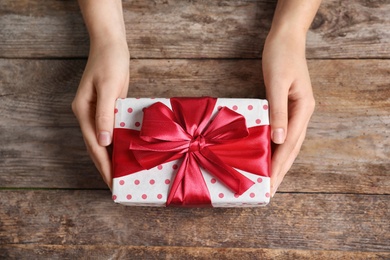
163	252
194	29
298	221
334	203
344	89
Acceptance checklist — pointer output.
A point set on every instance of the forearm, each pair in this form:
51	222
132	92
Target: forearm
104	20
294	17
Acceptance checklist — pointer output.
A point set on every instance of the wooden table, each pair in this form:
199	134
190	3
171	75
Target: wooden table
334	203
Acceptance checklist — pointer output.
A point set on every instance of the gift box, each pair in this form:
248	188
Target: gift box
191	152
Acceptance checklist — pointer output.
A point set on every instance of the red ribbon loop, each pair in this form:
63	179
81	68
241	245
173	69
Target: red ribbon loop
188	132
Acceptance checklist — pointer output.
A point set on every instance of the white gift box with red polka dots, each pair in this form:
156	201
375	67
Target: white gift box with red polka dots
151	187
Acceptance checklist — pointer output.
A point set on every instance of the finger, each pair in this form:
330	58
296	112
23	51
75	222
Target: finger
104	117
285	154
85	113
124	91
125	88
101	159
277	96
282	161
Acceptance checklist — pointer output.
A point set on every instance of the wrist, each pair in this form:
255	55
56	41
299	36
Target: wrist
292	19
282	36
110	46
108	40
109	30
107	33
288	32
104	21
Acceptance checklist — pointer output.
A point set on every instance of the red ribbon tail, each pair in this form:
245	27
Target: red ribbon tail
225	173
189	188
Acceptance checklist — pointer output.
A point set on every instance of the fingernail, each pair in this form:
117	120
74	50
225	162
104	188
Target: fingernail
104	138
278	136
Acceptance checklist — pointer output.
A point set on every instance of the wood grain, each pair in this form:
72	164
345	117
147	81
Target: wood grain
39	92
195	29
41	157
348	137
298	221
333	204
152	252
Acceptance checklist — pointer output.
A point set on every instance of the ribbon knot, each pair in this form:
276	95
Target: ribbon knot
219	146
197	144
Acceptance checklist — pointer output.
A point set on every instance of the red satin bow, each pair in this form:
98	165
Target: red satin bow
187	132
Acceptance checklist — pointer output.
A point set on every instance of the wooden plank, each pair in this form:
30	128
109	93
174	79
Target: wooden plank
350	129
42	29
20	251
347	138
333	222
196	29
39	92
353	29
42	157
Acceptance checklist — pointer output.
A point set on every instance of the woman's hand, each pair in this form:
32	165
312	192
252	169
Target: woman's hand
105	78
290	96
287	82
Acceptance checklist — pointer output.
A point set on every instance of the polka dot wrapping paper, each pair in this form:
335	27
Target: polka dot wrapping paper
151	187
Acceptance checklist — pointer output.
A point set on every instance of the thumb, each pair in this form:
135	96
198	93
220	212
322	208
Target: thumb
278	102
104	118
